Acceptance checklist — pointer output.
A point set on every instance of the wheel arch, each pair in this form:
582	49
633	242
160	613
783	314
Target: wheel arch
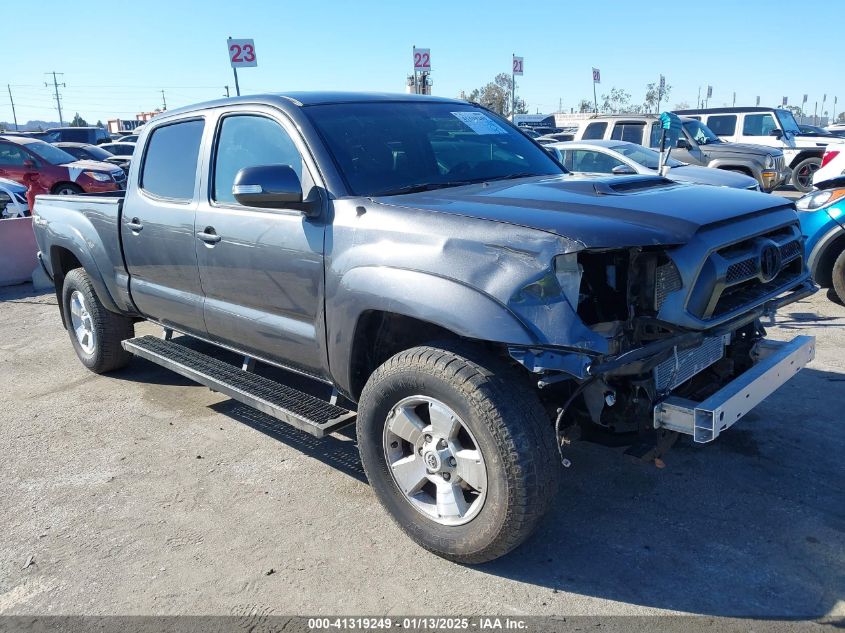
805	154
64	257
824	255
383	311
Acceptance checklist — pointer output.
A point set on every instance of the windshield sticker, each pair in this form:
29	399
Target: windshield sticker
479	122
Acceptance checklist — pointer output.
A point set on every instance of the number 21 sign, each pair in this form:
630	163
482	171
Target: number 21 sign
242	53
517	65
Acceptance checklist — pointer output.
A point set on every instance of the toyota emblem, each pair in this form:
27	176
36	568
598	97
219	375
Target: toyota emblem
770	262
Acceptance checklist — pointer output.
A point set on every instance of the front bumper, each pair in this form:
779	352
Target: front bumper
772	178
777	362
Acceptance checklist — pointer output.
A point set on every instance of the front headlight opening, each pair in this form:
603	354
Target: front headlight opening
820	199
770	161
98	176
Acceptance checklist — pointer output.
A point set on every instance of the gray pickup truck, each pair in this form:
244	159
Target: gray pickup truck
426	271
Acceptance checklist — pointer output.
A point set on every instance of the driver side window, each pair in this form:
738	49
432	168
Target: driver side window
250	141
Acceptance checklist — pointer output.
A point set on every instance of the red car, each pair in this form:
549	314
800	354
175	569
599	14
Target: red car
58	172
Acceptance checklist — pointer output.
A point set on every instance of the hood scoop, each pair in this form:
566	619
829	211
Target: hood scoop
632	185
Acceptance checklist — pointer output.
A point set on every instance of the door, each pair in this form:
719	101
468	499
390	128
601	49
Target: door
261	269
757	129
157	228
12	162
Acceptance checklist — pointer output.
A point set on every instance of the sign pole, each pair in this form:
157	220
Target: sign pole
595	99
237	87
513	87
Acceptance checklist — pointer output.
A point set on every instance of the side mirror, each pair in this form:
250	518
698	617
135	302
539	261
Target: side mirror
683	144
776	133
623	170
267	186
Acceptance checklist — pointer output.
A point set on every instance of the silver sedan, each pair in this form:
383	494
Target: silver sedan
621	158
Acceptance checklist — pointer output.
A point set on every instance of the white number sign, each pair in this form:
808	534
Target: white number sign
596	76
242	53
422	59
517	65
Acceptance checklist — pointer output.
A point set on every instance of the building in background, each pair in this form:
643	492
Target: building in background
116	126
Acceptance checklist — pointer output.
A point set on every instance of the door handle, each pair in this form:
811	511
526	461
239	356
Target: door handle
134	225
209	236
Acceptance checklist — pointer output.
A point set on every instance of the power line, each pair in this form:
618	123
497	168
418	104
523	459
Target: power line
58	99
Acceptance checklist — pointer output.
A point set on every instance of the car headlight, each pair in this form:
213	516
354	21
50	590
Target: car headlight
820	199
98	176
770	161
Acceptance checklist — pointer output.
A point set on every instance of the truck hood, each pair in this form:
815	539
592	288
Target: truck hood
605	212
740	149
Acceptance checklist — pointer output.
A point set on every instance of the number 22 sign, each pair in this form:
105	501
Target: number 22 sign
242	53
422	59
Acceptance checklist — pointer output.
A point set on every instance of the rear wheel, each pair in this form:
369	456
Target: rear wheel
802	175
95	332
458	449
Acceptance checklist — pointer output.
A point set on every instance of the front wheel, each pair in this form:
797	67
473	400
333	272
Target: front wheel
839	277
95	332
802	175
458	449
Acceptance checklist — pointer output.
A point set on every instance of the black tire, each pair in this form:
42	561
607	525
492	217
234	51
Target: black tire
512	431
67	189
109	328
838	277
804	171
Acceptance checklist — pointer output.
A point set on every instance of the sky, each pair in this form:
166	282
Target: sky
116	58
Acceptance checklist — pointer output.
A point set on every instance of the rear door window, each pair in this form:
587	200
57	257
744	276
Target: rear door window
628	131
170	162
722	124
594	131
758	125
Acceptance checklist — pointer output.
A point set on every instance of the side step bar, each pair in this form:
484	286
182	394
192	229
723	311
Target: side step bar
304	411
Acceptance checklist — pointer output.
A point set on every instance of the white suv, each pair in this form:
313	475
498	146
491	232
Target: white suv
773	127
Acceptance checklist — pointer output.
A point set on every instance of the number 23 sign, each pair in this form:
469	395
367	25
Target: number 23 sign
242	53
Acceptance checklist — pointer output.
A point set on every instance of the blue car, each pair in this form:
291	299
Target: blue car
822	217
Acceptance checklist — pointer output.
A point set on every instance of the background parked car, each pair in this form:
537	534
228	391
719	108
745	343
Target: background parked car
13	202
84	151
698	145
813	130
773	127
833	165
92	135
119	148
621	158
129	138
58	171
822	218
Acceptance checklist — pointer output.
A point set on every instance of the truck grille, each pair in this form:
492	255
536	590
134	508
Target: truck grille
680	367
740	274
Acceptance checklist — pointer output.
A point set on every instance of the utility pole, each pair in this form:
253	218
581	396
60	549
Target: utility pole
56	85
698	101
163	101
14	115
227	91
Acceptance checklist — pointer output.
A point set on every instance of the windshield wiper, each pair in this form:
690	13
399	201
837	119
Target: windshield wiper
511	176
426	186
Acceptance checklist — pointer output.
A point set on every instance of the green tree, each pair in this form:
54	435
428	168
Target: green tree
585	105
796	110
100	124
496	95
78	121
682	105
650	103
615	101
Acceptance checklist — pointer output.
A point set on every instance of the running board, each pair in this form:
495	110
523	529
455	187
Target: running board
304	411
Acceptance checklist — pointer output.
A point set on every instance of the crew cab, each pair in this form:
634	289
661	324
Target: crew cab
438	279
57	171
773	127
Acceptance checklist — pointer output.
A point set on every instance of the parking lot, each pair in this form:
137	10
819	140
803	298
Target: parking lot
140	492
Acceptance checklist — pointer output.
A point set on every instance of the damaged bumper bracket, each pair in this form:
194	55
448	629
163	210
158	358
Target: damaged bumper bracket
778	362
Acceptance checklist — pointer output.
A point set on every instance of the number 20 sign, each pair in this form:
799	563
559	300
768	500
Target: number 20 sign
242	53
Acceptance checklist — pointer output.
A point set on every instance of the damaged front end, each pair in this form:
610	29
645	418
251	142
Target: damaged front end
620	371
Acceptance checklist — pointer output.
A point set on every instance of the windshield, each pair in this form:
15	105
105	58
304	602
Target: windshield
644	156
787	122
702	134
393	148
50	153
